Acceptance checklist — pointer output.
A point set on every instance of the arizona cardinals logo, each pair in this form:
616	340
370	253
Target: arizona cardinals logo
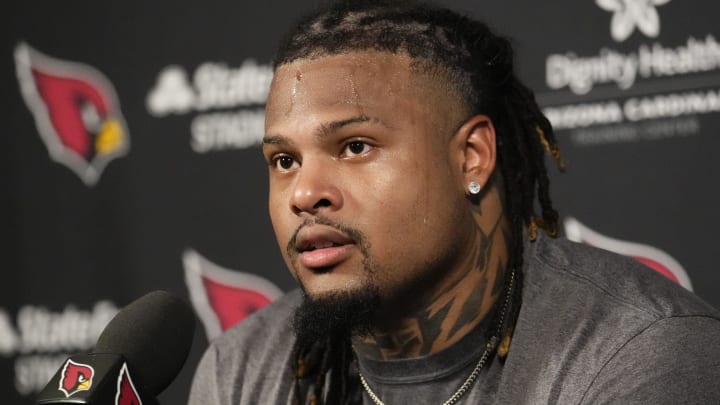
650	256
223	297
75	377
75	110
126	392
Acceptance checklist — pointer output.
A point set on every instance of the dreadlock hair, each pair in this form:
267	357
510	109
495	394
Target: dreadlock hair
479	67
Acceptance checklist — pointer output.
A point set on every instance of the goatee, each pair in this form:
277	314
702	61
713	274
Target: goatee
336	314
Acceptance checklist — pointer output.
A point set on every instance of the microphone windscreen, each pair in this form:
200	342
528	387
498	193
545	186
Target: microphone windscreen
154	334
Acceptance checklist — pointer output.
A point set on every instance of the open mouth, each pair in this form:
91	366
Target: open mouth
322	247
319	245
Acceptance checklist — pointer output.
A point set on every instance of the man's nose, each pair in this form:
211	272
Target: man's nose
315	190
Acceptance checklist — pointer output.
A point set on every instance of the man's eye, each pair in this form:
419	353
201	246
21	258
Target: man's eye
285	162
355	148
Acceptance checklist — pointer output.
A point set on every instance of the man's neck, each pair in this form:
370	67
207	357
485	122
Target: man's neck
456	307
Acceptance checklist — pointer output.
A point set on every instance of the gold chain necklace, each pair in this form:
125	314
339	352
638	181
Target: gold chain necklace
490	347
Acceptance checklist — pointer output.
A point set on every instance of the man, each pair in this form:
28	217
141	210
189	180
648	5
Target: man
406	162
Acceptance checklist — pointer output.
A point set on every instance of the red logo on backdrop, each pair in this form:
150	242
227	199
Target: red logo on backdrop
650	256
75	377
223	297
126	392
75	109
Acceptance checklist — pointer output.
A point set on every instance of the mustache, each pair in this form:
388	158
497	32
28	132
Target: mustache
353	233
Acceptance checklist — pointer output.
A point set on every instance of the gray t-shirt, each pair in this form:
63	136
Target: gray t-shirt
594	328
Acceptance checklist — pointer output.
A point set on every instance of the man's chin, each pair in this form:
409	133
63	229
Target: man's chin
318	283
335	312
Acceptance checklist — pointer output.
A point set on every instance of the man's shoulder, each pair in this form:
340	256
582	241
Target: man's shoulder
584	309
249	362
613	280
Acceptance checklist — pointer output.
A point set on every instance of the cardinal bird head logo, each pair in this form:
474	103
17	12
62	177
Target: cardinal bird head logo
75	109
126	392
75	377
224	297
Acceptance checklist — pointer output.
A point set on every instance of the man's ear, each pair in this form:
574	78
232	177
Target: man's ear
476	140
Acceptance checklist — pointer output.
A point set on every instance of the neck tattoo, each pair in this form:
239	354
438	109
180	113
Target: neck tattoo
490	348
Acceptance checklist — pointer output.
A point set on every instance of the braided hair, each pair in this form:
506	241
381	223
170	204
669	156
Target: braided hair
478	64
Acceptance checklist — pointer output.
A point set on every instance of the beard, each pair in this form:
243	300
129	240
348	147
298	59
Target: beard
336	314
342	313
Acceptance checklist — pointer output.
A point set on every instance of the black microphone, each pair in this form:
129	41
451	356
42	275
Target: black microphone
137	355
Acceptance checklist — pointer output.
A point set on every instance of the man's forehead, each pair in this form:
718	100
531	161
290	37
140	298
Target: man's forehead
355	82
385	86
353	77
346	71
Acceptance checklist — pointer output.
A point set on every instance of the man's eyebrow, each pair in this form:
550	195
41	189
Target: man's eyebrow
324	129
330	127
275	140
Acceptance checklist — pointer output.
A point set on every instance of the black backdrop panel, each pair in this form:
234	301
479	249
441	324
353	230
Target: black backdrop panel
130	163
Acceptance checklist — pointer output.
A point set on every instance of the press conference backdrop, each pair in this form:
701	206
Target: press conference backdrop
130	158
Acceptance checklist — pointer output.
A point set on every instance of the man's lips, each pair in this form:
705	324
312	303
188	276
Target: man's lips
321	246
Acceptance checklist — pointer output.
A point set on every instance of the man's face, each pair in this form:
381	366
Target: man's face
366	185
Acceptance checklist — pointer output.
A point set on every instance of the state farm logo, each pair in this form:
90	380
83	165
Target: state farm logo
631	14
40	341
228	102
223	297
76	111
